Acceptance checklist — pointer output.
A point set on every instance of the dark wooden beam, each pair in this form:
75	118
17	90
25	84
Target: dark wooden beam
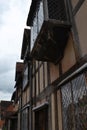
78	6
38	79
43	76
56	111
54	86
48	73
77	47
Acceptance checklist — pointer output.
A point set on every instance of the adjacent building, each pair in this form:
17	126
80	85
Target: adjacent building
17	95
6	109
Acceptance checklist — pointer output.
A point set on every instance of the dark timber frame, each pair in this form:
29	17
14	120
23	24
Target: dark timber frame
51	40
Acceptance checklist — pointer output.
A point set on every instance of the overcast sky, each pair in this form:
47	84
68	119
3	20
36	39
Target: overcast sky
13	16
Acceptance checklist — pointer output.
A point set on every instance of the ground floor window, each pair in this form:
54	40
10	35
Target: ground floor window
25	119
41	119
74	104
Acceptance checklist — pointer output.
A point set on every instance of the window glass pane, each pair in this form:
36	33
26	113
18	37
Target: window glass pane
34	32
35	28
74	104
25	119
32	43
80	102
40	16
37	23
57	10
25	78
66	103
79	88
41	119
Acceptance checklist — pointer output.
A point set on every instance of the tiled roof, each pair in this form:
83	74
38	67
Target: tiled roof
1	123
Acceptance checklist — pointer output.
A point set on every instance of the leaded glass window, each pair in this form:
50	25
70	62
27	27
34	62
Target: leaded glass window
25	119
74	104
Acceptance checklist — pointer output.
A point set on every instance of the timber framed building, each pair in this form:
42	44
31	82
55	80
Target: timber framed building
54	78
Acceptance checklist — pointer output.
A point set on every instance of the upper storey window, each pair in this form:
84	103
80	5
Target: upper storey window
25	76
37	23
25	51
49	29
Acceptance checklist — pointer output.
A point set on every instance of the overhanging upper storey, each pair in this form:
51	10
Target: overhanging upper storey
25	45
50	28
19	70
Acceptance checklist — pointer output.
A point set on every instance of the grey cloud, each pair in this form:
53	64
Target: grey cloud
7	64
11	41
4	7
5	67
5	95
7	82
